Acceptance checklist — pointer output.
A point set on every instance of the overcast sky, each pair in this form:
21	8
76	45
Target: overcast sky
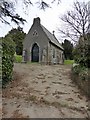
49	18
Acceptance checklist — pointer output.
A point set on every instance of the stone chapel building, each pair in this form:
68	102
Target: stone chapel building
42	46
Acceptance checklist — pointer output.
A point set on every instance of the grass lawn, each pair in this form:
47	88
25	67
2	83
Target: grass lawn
68	62
34	63
18	58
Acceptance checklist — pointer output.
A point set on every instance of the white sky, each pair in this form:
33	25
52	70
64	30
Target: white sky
49	17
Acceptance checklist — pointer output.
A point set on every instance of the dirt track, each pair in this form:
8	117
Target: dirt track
42	91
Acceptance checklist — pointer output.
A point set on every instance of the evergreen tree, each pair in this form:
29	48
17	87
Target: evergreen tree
17	36
68	48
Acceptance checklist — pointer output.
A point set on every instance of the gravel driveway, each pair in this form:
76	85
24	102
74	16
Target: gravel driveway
43	91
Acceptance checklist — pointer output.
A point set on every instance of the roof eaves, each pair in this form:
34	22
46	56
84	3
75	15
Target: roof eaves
52	38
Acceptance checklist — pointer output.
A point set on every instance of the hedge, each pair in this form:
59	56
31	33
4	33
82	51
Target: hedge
80	77
8	47
0	63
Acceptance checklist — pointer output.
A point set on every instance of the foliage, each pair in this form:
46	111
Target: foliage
68	48
18	58
80	77
68	62
82	51
76	69
8	47
17	35
7	9
0	62
82	72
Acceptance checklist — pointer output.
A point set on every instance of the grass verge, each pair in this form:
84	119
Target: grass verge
18	58
68	62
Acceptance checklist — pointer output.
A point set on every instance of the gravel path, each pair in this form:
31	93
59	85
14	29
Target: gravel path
42	91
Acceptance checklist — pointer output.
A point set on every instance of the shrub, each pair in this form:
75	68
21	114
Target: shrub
81	72
76	69
0	63
82	51
8	47
81	78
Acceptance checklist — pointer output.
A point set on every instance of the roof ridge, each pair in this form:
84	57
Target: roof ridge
51	37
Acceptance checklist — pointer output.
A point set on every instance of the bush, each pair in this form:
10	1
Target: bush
80	77
82	51
0	63
8	47
76	69
82	72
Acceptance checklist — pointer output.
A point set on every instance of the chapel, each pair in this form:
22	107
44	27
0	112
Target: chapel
42	46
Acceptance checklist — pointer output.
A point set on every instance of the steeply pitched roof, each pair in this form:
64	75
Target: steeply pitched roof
52	38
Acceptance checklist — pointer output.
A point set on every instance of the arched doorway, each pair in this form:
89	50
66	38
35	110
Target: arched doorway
35	53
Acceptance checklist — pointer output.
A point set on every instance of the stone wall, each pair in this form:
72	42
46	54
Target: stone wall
44	55
54	55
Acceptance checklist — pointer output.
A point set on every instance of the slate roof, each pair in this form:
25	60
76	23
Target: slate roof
52	38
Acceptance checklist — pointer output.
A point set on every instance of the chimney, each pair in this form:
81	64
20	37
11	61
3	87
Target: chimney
36	20
53	32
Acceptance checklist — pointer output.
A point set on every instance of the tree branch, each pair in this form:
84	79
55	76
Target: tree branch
77	20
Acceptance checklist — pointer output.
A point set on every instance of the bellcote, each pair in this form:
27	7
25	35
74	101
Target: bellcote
36	20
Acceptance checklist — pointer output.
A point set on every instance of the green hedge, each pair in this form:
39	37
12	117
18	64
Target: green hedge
81	51
8	47
80	77
0	63
82	72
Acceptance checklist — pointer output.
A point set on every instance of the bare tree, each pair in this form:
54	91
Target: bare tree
76	21
7	9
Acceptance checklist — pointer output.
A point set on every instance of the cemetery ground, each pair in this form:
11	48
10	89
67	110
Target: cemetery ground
43	91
